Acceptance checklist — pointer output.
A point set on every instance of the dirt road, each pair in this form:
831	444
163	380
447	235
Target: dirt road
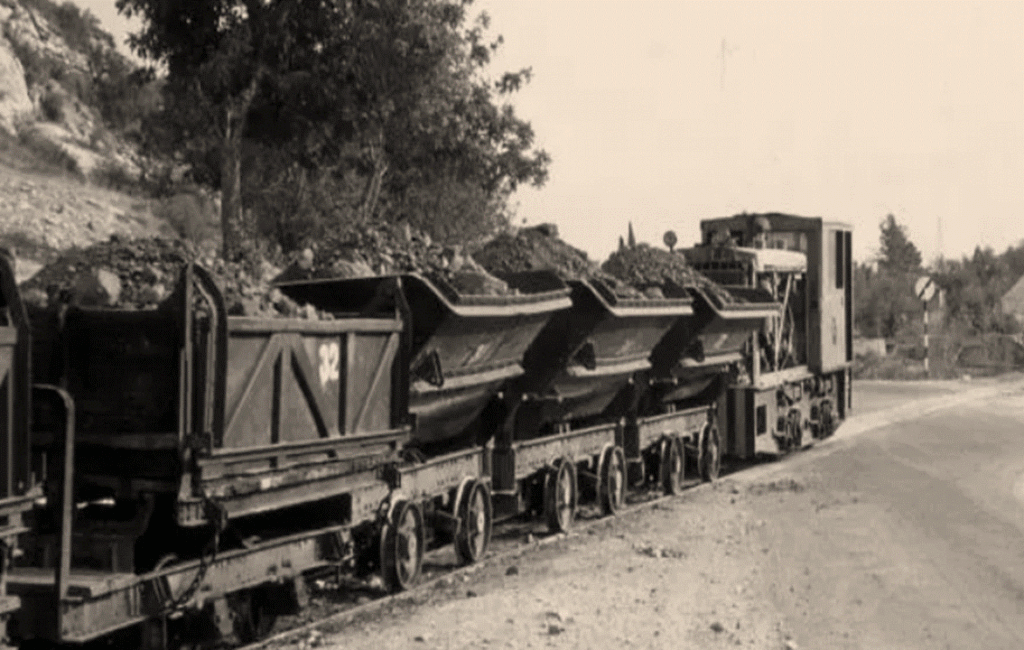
905	536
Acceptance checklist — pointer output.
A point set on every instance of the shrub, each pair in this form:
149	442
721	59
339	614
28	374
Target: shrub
192	215
52	105
113	176
37	66
48	155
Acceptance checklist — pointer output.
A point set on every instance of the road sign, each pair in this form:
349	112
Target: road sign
924	288
670	239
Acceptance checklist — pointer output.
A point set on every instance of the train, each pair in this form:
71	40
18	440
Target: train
178	473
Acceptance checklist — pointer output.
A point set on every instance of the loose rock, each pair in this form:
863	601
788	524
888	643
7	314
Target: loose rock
134	273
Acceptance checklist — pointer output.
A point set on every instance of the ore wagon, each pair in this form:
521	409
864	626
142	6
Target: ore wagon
564	438
691	369
465	348
201	464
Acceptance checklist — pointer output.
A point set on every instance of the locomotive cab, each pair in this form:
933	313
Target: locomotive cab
797	383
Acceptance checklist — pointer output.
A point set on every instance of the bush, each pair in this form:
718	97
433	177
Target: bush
192	215
113	176
889	367
38	67
48	156
292	205
52	105
451	211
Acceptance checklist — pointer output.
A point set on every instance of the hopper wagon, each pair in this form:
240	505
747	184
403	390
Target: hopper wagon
691	368
564	437
464	348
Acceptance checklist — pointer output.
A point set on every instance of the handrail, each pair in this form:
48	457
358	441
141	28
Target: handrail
219	364
67	502
19	471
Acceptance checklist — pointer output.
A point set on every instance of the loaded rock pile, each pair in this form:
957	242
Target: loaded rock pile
141	273
387	249
539	248
645	266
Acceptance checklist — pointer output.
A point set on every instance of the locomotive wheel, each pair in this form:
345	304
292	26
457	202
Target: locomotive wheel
401	546
474	511
560	496
795	431
709	461
613	480
828	422
673	465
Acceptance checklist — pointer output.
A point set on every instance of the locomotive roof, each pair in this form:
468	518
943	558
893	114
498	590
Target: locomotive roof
778	219
763	259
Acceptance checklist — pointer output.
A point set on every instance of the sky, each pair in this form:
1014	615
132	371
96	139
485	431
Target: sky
663	113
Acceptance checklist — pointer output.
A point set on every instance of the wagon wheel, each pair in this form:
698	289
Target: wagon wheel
401	546
475	515
673	465
254	616
709	460
560	495
613	480
828	421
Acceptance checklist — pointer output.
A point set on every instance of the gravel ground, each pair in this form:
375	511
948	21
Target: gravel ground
819	550
667	576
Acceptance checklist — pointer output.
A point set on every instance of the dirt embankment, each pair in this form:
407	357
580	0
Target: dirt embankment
42	215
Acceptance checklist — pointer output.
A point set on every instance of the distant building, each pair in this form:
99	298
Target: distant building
1012	302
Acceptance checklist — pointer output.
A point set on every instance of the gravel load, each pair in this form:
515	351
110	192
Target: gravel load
388	249
534	249
539	248
646	266
141	273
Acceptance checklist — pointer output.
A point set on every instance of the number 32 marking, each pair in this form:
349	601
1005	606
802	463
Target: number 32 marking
330	358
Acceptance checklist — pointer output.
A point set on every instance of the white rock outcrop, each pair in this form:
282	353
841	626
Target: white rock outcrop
15	103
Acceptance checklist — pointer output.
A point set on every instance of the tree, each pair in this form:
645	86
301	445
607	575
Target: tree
885	302
885	299
386	91
897	252
974	287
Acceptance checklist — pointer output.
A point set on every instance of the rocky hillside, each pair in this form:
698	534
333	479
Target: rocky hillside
67	118
59	74
41	215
